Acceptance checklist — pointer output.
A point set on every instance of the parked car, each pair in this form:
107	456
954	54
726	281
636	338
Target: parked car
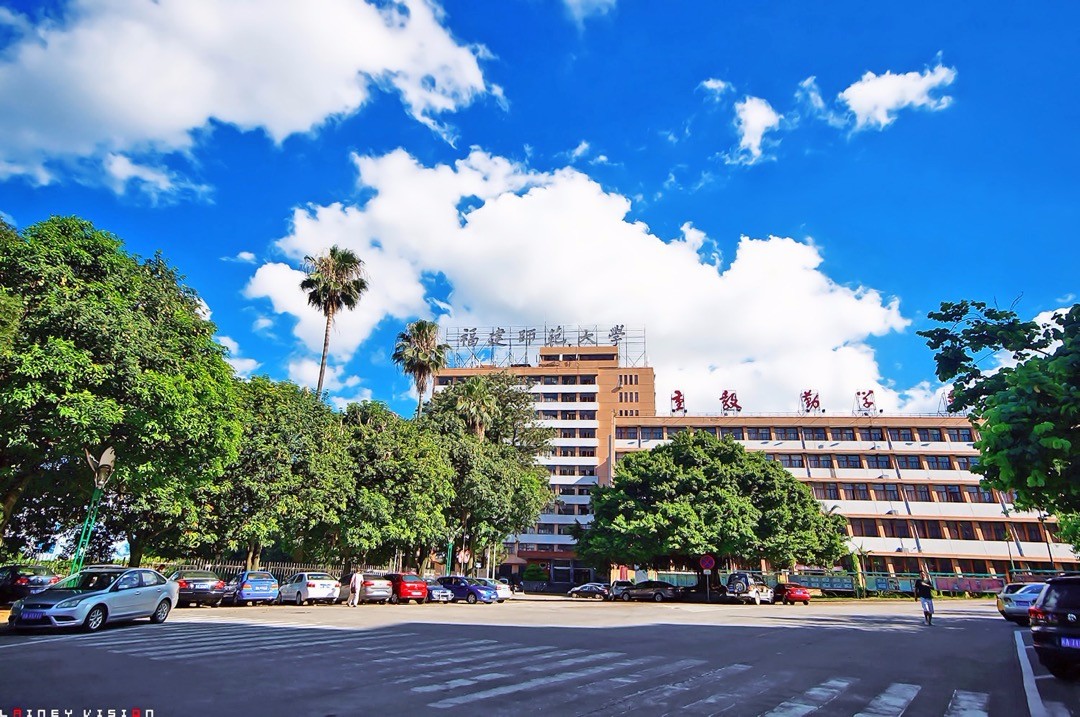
502	590
95	596
590	590
618	587
199	587
747	587
1055	627
468	590
655	590
436	592
251	586
309	589
515	587
1014	606
19	581
790	593
375	588
407	587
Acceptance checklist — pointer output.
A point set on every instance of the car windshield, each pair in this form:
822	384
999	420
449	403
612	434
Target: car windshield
1032	589
87	581
189	574
34	570
1063	597
319	576
410	579
260	576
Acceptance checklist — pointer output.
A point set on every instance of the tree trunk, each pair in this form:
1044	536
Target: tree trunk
325	348
136	547
254	551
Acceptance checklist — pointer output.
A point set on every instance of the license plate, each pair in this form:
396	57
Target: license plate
1022	603
201	587
32	614
1070	642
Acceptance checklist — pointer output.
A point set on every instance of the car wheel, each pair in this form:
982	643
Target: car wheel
501	601
162	612
806	602
626	597
471	599
658	597
216	603
393	599
1062	671
95	619
299	600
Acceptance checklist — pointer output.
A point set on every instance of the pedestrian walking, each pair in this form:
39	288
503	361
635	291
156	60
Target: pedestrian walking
356	585
924	594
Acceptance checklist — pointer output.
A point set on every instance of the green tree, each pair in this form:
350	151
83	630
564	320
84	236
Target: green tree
476	404
420	355
1028	415
334	281
698	495
111	350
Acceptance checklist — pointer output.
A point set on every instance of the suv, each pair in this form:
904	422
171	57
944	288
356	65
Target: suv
1055	627
746	587
618	587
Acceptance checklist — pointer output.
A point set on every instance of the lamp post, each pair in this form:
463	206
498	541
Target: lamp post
103	468
1046	536
1008	542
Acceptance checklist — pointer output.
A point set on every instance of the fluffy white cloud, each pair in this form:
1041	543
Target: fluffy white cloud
581	9
147	77
580	151
305	372
243	257
875	99
243	366
754	117
534	247
809	96
715	87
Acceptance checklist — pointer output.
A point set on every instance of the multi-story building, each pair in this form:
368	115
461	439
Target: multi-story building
903	481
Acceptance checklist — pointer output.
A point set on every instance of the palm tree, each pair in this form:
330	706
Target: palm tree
420	355
335	280
476	405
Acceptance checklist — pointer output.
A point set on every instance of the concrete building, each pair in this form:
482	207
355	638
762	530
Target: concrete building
903	481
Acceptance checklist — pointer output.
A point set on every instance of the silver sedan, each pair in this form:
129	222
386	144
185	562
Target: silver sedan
95	596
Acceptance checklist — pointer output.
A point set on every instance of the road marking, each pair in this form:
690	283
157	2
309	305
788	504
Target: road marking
543	681
892	702
811	700
478	646
1036	708
591	657
655	697
967	704
460	682
476	667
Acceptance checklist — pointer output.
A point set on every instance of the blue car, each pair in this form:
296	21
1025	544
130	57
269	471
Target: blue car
468	589
251	586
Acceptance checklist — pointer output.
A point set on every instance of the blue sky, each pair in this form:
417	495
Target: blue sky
777	194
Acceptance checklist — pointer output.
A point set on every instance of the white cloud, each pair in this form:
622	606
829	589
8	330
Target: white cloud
262	323
769	324
754	117
581	9
4	216
305	372
716	88
243	257
148	77
580	151
243	366
875	99
809	96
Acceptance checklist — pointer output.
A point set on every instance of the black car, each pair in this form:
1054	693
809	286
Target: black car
199	587
590	590
18	581
1055	627
655	590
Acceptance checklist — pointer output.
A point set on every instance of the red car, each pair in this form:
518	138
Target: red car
406	588
790	593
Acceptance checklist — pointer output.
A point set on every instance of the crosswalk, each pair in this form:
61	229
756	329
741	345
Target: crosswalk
447	674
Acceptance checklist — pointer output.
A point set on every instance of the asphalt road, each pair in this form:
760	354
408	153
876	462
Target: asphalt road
540	656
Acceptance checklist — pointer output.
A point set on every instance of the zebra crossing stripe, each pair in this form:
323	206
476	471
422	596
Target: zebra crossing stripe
461	682
545	680
592	657
406	653
657	671
477	667
892	702
968	704
811	700
655	697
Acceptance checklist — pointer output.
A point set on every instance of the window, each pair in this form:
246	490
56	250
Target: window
787	434
588	432
568	433
791	460
587	452
843	434
994	531
758	434
1028	532
814	434
569	380
908	462
587	415
848	461
858	491
673	431
917	493
711	430
930	529
871	434
863	527
948	494
625	433
959	435
568	415
831	491
928	435
960	529
549	415
818	489
736	433
878	461
550	380
588	380
887	491
964	463
545	529
938	463
896	528
978	494
901	434
821	461
652	433
566	529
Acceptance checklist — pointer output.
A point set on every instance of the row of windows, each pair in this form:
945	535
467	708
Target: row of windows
628	396
567	380
946	529
577	433
629	412
553	529
564	398
919	493
574	471
572	509
570	452
877	461
573	489
566	415
628	379
792	433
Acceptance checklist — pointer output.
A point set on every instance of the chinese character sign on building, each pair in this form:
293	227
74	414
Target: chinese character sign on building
678	402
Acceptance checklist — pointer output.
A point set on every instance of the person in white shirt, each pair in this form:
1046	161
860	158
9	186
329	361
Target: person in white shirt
356	585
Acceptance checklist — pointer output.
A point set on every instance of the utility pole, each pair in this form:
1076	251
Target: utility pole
103	468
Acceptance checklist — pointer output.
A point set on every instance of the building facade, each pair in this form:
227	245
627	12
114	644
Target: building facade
902	481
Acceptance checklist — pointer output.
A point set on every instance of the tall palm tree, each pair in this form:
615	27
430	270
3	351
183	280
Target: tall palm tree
476	405
335	281
420	355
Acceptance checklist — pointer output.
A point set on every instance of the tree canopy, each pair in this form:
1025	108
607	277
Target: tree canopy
1027	414
699	495
335	281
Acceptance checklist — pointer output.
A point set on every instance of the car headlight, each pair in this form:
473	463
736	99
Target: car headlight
69	603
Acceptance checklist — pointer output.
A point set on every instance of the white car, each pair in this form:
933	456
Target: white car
502	590
304	588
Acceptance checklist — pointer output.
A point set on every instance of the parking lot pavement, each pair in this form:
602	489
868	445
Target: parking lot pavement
690	659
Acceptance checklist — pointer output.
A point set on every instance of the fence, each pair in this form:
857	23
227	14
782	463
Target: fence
227	570
880	584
